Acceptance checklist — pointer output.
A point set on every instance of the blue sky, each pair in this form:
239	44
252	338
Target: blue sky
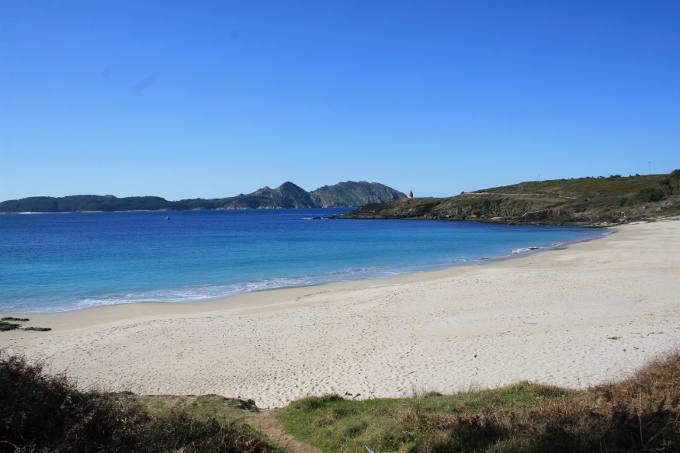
211	99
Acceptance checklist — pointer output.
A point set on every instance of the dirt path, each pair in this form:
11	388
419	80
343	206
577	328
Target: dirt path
266	422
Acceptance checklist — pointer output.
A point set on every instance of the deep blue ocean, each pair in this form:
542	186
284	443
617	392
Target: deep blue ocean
58	262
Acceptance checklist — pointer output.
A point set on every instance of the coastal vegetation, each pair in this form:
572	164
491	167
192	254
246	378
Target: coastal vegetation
638	414
39	412
43	413
582	201
286	196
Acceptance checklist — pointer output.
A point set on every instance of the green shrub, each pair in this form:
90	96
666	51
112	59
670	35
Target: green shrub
666	185
649	194
623	202
315	402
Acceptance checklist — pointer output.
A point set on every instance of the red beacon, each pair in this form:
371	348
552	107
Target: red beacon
410	194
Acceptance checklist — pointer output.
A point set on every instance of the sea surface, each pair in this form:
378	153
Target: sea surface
60	262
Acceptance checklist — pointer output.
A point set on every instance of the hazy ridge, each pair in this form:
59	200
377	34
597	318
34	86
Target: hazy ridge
286	196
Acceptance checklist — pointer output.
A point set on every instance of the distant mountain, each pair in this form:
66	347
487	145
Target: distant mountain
82	203
286	196
352	193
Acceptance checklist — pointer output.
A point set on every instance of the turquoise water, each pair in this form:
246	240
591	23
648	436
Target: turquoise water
57	262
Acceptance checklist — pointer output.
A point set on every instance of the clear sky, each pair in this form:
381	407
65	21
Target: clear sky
210	99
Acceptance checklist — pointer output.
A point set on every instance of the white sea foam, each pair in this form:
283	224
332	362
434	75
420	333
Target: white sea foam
213	292
524	250
88	261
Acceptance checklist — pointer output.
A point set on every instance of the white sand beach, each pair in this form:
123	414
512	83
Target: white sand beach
582	315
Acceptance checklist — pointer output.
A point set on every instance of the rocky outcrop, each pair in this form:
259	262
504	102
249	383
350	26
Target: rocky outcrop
515	210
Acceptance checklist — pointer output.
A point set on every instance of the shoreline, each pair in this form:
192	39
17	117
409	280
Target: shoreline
306	281
522	253
573	316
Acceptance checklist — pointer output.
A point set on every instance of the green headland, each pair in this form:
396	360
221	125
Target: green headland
580	201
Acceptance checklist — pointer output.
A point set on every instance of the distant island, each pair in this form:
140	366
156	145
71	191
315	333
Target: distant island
286	196
577	201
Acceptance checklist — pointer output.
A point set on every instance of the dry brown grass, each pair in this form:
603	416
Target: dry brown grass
638	414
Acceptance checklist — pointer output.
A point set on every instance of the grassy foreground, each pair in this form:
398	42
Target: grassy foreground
41	413
639	414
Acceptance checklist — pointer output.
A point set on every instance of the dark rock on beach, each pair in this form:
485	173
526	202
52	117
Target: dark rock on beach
10	323
7	326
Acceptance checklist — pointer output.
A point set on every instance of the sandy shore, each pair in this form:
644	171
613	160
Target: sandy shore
578	316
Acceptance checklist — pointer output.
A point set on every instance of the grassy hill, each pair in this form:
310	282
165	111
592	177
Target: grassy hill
582	201
613	186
